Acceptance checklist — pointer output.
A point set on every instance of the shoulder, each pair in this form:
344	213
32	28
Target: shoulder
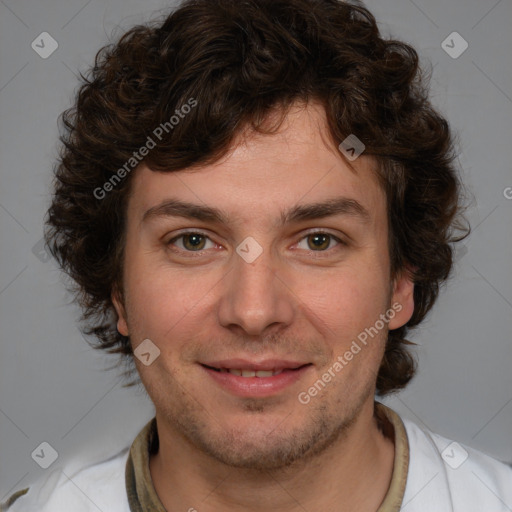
99	486
445	475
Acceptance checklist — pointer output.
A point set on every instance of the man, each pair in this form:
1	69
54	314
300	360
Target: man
256	201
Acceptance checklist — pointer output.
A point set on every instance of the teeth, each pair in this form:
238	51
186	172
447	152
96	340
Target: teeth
264	373
252	373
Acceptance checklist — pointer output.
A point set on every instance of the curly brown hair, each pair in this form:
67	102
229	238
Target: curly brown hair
238	61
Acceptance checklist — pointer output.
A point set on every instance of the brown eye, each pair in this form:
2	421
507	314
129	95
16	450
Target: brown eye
194	242
190	242
320	242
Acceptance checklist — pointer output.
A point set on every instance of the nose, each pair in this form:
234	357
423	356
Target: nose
256	297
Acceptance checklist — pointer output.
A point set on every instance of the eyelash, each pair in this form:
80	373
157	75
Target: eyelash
200	253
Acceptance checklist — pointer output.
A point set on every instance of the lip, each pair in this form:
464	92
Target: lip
256	387
266	364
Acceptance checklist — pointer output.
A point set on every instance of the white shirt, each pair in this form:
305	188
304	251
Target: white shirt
442	476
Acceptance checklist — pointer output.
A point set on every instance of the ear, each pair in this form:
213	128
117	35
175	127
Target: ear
122	325
403	295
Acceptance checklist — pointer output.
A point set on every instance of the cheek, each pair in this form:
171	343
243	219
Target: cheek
345	302
165	304
153	299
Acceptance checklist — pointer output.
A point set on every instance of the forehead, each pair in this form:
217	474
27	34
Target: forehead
262	174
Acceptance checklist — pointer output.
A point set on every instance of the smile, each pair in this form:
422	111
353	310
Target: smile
249	373
255	380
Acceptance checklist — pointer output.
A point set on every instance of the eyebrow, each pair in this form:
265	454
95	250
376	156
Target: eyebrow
301	212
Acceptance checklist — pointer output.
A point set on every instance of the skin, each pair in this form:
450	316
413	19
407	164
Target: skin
219	451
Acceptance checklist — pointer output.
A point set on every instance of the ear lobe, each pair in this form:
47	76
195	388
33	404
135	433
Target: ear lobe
122	325
403	294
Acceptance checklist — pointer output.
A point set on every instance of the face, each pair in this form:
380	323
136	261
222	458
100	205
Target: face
256	299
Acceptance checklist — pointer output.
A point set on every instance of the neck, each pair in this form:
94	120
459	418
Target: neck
353	474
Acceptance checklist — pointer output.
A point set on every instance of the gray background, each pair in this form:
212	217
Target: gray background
54	387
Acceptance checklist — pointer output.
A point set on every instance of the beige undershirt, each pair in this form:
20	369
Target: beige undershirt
143	497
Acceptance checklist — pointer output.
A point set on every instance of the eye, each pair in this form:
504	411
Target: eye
194	241
319	241
191	242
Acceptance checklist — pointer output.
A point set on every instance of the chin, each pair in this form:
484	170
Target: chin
266	445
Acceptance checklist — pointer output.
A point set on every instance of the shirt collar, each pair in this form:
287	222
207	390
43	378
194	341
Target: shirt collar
142	495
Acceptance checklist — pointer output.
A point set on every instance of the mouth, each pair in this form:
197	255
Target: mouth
249	379
248	373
